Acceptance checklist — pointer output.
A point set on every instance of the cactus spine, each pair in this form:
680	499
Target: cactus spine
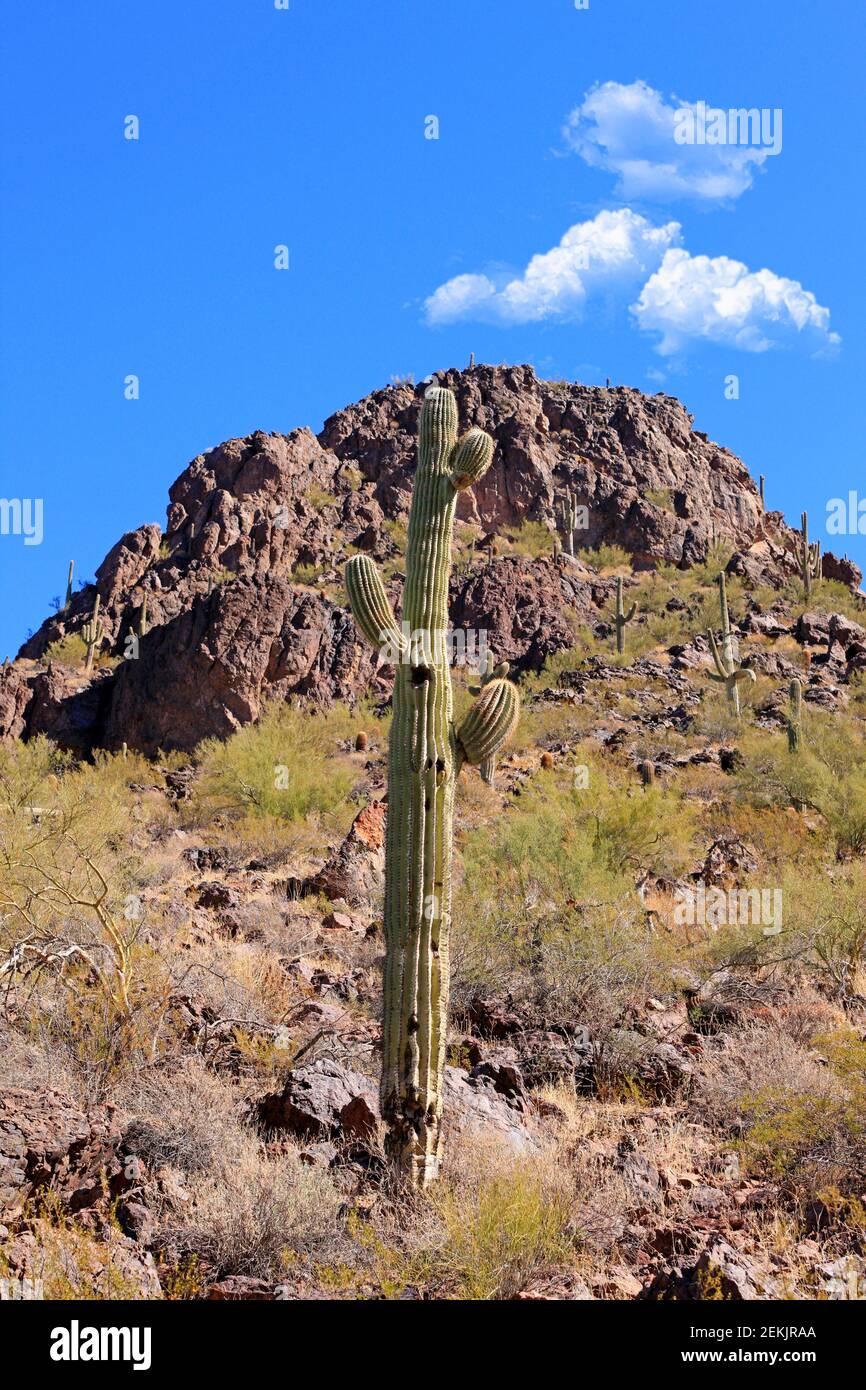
622	618
92	631
425	754
728	669
69	584
810	559
795	693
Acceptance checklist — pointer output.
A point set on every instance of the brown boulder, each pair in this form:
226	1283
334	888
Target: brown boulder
47	1141
356	873
324	1100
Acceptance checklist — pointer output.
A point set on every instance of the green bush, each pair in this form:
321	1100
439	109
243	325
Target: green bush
289	765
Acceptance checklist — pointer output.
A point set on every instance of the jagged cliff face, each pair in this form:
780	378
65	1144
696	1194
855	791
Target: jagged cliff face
258	530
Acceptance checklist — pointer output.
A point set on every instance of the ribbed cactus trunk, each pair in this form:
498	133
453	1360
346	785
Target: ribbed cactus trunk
728	669
622	618
421	777
425	754
795	697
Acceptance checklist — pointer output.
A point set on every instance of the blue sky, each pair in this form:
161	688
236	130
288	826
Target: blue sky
306	128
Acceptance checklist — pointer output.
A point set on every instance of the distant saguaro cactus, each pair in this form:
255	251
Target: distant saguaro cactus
93	632
795	694
142	618
622	617
810	558
425	754
69	584
728	669
647	772
568	515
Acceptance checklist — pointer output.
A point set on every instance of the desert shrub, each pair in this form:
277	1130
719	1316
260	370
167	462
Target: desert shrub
319	497
532	539
70	650
71	1262
799	1116
184	1118
605	557
828	776
306	574
816	1142
254	1214
547	896
65	873
288	766
660	497
501	1229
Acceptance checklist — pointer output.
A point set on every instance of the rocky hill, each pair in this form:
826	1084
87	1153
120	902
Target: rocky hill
640	1103
243	588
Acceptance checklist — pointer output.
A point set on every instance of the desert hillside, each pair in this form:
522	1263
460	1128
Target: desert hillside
657	1036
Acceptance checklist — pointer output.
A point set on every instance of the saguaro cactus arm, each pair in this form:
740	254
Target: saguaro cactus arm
490	722
370	607
92	631
721	672
472	457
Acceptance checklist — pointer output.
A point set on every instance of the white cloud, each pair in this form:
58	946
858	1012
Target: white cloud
611	253
629	129
721	300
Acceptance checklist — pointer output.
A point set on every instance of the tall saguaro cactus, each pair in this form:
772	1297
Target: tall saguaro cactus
622	617
69	584
810	558
92	631
568	516
728	669
425	754
795	694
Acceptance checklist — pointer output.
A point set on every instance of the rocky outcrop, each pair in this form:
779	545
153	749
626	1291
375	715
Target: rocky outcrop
322	1101
356	873
47	1141
212	668
244	589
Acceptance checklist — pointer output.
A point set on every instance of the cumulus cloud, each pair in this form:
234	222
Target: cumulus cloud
630	130
611	253
720	299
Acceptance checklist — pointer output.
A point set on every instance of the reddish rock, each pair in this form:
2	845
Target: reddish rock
47	1141
356	873
15	696
234	618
